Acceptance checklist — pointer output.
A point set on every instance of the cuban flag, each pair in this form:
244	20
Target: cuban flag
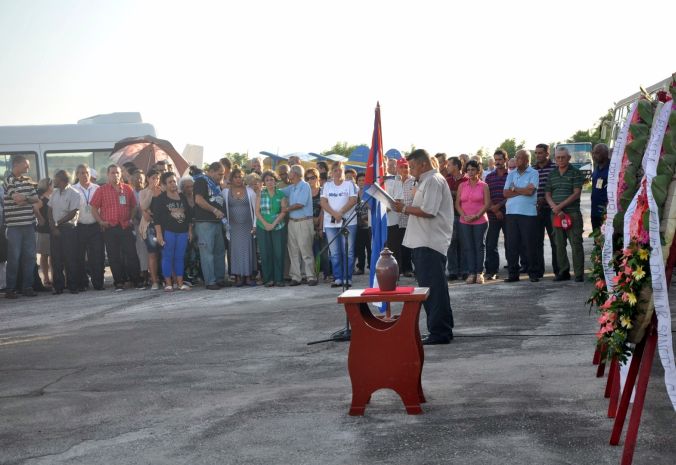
375	172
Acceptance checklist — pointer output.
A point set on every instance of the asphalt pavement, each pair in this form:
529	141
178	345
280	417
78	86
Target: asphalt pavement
227	377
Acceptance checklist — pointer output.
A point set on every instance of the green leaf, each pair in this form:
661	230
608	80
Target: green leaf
672	119
638	145
660	186
646	111
664	168
668	143
630	179
618	222
640	130
646	219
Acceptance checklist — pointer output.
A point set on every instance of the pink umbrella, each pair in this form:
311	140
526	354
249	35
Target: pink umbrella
145	151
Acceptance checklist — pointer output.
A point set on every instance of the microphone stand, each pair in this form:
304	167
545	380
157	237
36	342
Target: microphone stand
345	333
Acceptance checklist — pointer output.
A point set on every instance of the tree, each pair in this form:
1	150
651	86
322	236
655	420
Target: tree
341	148
593	135
236	158
511	147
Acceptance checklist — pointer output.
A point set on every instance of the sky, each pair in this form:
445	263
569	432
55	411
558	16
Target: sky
299	76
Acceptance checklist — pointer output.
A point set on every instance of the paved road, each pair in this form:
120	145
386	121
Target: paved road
226	377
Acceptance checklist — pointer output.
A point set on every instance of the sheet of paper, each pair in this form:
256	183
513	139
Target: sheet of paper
379	194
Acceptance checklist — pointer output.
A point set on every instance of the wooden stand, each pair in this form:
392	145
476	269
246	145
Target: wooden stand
385	352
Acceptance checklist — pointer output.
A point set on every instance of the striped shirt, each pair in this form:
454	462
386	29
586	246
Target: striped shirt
18	215
561	186
407	199
496	186
544	177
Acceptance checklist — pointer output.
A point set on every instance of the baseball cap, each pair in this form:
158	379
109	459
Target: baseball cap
402	162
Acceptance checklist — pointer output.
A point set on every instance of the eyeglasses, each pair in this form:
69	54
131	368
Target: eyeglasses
311	178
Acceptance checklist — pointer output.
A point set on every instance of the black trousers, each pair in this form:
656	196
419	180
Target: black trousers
63	248
121	249
406	265
394	239
363	248
596	222
90	255
544	224
430	271
519	235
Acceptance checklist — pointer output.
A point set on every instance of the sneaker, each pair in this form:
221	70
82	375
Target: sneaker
480	278
168	288
491	277
337	283
349	284
155	287
184	287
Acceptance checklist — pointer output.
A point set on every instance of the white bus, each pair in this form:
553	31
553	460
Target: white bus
64	146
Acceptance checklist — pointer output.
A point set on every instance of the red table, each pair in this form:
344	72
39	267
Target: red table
385	352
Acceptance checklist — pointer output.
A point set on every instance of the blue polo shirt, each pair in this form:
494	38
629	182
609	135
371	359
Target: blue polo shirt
302	194
522	204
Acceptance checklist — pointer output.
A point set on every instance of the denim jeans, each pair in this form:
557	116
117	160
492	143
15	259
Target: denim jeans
473	237
173	253
21	250
457	264
212	251
337	249
492	236
429	272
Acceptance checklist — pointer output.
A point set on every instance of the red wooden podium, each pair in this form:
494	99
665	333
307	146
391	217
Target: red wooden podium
385	352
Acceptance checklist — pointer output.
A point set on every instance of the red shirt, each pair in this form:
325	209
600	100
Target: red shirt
453	184
114	205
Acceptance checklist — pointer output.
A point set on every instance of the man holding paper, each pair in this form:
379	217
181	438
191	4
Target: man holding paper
428	234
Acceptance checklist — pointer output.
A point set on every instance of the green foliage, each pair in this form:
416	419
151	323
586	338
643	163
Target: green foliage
511	147
236	158
341	148
593	135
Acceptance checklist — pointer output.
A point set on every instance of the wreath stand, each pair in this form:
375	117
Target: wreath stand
640	367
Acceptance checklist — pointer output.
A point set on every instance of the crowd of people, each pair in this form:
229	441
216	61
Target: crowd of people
246	226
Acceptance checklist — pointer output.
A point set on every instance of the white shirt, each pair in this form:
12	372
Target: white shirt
64	201
87	195
338	197
433	196
395	188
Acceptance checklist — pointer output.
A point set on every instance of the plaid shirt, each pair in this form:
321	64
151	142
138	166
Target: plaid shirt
270	208
496	185
407	199
111	210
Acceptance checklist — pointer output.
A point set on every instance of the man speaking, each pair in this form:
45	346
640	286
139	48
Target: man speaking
428	234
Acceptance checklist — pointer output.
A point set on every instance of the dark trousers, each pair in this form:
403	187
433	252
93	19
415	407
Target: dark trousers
121	249
406	265
492	237
394	239
363	247
430	267
519	239
63	248
90	255
596	222
456	264
544	224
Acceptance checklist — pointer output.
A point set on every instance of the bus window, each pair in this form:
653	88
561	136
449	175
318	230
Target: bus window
97	159
6	163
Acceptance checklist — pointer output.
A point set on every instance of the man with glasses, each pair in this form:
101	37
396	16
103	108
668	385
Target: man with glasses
563	196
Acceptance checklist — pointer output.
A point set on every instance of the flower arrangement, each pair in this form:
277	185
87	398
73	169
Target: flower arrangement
626	311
